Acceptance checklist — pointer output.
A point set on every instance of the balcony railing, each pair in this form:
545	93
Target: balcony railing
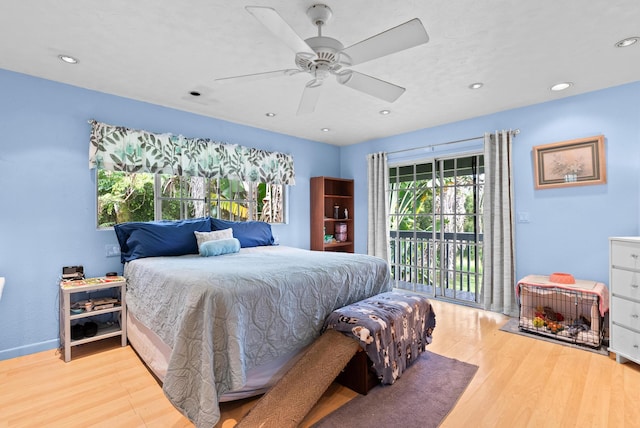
443	264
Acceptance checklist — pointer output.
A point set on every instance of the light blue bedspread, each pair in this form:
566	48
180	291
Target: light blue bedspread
224	315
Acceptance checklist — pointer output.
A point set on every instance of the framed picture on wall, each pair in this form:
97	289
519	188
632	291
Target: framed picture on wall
570	163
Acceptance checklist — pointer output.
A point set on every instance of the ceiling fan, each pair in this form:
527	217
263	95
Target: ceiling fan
322	56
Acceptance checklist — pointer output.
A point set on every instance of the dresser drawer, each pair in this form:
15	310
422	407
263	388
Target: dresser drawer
625	255
626	312
625	283
626	342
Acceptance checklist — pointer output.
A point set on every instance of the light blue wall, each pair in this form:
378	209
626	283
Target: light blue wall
569	227
47	192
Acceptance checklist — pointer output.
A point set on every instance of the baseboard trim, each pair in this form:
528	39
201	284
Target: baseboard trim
32	348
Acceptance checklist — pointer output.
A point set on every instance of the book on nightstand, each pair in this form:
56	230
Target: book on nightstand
105	306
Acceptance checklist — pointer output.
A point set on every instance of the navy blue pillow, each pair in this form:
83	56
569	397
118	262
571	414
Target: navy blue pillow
249	233
159	238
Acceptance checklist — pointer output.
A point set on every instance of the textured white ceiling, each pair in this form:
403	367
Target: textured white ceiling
159	50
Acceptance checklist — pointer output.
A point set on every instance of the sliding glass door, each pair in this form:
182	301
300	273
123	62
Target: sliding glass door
435	224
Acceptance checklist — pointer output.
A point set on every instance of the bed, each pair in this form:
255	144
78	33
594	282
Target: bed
228	325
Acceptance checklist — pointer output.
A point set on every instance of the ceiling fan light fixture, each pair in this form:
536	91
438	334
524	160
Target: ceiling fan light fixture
476	85
68	59
627	42
561	86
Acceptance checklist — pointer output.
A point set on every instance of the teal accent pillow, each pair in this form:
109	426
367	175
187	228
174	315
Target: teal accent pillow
219	247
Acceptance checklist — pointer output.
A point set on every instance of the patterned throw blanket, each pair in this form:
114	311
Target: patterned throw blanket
394	328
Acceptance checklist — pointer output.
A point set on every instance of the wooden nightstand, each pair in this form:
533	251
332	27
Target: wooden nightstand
114	303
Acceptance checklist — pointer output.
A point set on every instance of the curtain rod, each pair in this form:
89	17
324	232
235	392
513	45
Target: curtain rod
514	132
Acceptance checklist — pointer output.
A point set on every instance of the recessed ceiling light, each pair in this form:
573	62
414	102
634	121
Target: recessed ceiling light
627	42
68	59
476	85
195	93
385	112
270	114
325	129
561	86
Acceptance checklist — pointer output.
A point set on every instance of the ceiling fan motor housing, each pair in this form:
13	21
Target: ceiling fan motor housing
326	48
327	52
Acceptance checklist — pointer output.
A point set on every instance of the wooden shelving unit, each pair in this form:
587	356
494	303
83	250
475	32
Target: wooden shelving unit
327	192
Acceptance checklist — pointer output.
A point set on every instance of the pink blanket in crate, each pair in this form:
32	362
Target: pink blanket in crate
581	285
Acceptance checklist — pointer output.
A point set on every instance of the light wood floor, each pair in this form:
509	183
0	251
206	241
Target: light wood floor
521	382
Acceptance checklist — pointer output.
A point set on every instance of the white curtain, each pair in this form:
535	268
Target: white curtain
378	182
498	247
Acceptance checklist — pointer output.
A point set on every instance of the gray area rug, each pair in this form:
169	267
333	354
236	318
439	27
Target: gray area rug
422	397
512	327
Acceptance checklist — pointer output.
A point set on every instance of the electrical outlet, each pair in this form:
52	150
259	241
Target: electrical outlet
111	250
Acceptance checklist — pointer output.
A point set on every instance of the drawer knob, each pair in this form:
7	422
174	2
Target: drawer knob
634	285
634	316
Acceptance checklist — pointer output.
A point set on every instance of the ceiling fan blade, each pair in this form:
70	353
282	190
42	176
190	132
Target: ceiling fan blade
258	76
310	97
278	26
404	36
370	85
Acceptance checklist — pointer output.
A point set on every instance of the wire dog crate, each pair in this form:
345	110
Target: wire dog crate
562	314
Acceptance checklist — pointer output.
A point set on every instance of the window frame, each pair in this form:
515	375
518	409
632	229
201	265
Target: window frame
407	269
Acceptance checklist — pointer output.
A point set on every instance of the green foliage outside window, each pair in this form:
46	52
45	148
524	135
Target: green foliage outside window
124	197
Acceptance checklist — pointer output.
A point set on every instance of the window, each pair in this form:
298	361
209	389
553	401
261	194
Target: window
435	224
124	197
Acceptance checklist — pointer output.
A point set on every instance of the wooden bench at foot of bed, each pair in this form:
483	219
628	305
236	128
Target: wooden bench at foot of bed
359	374
393	329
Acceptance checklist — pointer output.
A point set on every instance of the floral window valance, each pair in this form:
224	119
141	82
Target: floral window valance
117	148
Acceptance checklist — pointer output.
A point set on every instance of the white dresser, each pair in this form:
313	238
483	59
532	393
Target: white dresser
624	289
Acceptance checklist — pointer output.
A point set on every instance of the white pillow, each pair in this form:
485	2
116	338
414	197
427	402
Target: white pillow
216	235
